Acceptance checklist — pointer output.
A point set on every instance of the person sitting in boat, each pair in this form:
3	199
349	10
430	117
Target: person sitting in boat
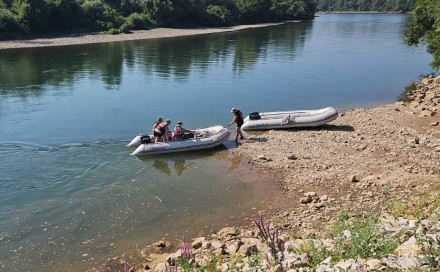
158	121
238	119
179	132
161	131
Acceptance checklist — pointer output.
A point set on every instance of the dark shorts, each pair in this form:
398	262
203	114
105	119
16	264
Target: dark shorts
239	124
158	134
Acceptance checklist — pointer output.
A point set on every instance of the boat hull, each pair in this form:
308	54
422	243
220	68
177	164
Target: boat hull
218	135
291	119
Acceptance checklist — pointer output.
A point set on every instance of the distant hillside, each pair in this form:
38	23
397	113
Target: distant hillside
365	5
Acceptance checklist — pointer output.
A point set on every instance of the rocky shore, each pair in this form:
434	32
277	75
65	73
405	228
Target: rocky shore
378	167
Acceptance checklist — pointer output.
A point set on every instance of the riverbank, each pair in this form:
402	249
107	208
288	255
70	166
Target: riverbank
382	159
101	37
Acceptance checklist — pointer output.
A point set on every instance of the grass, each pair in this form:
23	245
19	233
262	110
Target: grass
423	206
360	237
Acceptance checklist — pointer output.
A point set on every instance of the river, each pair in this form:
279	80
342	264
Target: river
71	196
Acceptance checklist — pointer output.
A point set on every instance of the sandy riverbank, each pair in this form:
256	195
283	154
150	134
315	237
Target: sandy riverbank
136	35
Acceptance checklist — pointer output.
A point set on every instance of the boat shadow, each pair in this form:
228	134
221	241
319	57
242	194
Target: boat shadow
327	127
183	160
259	135
218	152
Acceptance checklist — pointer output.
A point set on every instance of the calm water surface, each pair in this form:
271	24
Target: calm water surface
70	195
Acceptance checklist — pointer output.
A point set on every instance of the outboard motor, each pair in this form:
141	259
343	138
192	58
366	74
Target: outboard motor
188	135
254	116
145	139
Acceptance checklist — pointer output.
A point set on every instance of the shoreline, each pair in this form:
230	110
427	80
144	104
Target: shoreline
101	37
335	168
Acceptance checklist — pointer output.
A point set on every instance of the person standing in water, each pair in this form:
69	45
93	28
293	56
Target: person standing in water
238	119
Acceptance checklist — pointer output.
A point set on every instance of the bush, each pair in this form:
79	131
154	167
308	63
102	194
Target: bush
137	21
218	16
125	29
93	10
113	31
8	23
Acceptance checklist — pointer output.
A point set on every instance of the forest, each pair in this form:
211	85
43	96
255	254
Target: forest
366	5
41	17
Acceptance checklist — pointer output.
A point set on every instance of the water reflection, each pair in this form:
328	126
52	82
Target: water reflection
162	166
180	165
184	161
26	72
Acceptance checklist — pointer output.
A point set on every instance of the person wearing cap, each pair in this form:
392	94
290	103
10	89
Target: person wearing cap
158	121
238	119
179	131
161	131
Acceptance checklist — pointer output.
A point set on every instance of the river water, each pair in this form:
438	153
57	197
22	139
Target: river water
70	194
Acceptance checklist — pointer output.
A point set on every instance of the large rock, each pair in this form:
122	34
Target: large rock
262	247
401	262
324	268
349	265
306	200
228	232
198	242
174	256
373	264
161	267
409	247
247	249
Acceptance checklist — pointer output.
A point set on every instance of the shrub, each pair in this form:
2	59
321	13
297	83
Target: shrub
137	21
113	31
218	16
125	29
8	23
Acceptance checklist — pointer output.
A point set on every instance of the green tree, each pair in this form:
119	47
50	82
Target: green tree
293	9
252	11
425	28
218	16
8	23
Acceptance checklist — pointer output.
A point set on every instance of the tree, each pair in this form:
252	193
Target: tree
218	15
252	11
425	28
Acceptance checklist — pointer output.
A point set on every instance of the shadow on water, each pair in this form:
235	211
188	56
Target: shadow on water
180	162
26	72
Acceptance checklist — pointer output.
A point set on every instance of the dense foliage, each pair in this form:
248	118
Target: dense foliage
365	5
425	27
18	17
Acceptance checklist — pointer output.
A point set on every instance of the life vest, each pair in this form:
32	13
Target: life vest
161	127
156	124
178	132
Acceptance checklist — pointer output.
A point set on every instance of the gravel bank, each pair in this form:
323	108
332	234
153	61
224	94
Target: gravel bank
343	166
397	146
136	35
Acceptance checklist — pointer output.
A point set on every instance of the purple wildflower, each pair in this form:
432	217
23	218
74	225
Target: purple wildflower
126	269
